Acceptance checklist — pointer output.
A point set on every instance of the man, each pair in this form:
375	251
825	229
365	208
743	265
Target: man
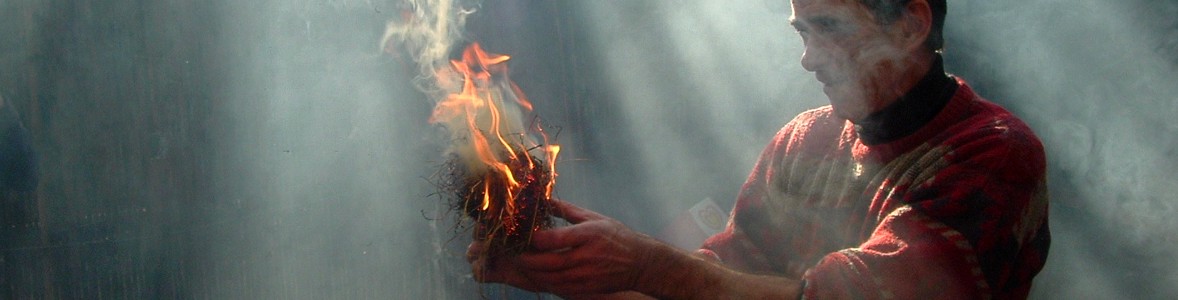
907	186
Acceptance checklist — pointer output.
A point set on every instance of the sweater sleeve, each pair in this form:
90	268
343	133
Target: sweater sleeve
977	228
736	247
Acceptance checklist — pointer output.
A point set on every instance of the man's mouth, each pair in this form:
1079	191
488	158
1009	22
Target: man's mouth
829	84
827	80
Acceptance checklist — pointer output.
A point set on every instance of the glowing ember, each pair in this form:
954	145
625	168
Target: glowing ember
497	179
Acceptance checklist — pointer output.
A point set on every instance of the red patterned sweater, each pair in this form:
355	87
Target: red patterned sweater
957	209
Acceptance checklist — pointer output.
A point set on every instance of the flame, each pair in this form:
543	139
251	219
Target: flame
485	116
552	151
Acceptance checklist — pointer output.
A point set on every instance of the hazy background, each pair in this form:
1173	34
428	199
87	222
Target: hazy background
267	149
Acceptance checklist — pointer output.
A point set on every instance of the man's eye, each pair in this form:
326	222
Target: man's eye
826	25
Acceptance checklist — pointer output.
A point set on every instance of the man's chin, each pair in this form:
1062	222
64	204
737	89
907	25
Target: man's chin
841	114
845	111
845	104
838	105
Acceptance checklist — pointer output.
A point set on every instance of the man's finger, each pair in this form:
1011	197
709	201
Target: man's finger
475	250
546	261
562	238
503	271
572	213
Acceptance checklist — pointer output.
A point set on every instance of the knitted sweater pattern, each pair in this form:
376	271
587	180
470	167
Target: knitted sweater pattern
957	209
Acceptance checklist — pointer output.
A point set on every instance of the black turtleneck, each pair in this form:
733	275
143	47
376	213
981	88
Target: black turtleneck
912	111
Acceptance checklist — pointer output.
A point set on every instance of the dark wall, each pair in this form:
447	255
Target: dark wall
116	97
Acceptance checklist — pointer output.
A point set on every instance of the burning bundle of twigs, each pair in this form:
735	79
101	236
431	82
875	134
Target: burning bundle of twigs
497	174
504	216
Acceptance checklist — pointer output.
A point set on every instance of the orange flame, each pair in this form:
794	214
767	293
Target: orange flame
486	113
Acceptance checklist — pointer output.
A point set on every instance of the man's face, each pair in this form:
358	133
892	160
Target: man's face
856	59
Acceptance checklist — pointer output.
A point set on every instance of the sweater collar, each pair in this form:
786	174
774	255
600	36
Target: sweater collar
912	111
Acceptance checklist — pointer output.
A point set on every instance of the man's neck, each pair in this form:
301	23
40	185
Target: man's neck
910	111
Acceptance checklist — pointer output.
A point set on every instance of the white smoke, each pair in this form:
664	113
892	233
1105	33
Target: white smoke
427	32
475	99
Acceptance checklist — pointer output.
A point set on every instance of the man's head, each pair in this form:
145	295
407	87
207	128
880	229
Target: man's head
868	53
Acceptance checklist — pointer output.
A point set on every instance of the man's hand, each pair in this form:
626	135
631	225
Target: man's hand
600	258
595	255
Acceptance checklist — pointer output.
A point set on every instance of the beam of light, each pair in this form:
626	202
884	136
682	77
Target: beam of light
701	87
323	163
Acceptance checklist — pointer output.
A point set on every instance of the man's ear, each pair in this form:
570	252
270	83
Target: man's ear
917	23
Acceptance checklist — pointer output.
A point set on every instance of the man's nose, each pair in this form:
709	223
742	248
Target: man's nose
812	58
